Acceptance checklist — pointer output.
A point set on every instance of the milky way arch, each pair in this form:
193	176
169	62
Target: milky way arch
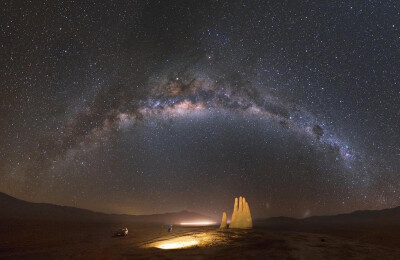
169	98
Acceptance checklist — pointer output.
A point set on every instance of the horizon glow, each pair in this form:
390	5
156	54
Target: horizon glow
199	223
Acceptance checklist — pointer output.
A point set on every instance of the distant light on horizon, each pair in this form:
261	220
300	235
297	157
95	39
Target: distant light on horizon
199	223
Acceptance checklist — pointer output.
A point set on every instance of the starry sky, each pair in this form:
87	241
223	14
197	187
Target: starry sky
145	107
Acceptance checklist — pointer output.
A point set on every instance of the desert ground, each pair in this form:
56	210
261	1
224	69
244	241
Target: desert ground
20	239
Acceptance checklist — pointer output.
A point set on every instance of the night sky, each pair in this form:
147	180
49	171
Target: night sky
145	107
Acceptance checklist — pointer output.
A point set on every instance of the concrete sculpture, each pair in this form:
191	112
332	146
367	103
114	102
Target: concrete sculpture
223	221
241	216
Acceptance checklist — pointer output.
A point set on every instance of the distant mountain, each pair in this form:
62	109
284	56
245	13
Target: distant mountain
13	208
385	217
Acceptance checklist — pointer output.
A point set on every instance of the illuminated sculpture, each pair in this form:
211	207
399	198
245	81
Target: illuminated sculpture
223	221
241	216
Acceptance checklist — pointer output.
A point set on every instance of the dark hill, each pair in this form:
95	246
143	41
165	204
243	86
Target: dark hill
362	218
13	208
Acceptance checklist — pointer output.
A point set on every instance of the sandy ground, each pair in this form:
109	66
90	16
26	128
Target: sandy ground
52	240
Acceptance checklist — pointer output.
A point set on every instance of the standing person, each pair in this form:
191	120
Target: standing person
169	228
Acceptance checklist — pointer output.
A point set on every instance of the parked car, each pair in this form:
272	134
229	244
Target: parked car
122	232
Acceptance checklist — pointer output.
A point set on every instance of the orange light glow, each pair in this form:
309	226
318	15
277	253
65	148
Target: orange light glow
184	242
179	244
199	223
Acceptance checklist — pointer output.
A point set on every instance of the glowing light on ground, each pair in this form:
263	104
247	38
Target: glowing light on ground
197	240
180	244
199	223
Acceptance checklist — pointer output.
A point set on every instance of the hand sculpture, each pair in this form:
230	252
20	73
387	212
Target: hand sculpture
241	216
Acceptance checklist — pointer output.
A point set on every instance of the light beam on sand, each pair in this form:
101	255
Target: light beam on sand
199	223
197	240
180	244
